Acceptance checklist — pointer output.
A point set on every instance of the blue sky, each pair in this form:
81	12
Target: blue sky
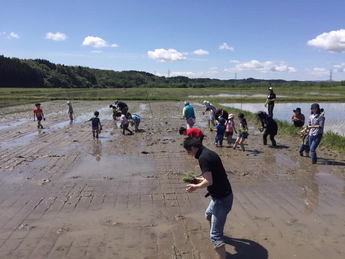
292	39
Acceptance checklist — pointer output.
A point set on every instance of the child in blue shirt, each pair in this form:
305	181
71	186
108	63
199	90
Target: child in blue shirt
220	128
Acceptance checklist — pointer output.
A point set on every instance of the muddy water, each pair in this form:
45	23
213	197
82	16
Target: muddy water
334	112
64	195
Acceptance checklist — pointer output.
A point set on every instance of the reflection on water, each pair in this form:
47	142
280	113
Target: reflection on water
334	112
112	166
228	95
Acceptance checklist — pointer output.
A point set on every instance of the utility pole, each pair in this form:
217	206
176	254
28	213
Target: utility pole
168	72
330	75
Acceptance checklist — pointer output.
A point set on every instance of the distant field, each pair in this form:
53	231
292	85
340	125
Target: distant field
15	96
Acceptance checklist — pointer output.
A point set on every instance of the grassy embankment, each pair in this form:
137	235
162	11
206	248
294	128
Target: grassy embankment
15	96
330	140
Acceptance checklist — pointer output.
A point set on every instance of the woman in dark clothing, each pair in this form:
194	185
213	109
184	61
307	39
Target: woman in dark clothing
269	126
220	113
271	98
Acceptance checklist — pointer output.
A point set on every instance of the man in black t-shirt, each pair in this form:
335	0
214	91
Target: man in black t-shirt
271	98
218	186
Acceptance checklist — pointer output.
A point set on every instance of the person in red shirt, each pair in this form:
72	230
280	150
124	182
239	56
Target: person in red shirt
192	132
38	114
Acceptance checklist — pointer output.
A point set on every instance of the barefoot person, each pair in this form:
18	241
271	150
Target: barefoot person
193	133
211	109
39	115
124	123
70	110
215	179
269	127
96	125
122	106
188	114
242	132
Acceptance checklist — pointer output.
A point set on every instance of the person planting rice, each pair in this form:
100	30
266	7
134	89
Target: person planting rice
96	125
271	98
220	128
188	114
230	128
135	120
242	132
315	126
215	179
268	126
70	110
193	133
39	115
211	109
116	112
298	118
124	120
123	107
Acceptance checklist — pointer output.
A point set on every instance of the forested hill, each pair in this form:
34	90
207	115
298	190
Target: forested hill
29	73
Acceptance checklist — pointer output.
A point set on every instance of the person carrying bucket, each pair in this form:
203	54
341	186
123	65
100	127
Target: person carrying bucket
188	114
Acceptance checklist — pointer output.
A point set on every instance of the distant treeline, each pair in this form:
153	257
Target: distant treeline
29	73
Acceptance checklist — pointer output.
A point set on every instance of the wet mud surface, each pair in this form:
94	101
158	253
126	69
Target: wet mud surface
65	195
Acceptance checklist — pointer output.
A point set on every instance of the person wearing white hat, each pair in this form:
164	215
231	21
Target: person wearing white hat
70	110
230	128
271	98
211	109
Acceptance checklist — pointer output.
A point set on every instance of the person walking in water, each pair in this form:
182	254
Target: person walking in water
242	132
39	115
215	179
70	110
315	126
188	114
271	98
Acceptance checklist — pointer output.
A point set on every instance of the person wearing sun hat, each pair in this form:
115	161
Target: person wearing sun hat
316	127
230	128
211	109
188	114
271	98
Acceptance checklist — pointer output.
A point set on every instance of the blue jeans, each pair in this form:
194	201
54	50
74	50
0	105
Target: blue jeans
314	142
217	211
219	139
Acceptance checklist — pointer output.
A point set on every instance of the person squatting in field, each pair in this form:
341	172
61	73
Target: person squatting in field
215	179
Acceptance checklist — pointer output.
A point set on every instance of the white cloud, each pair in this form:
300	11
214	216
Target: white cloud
198	74
97	42
226	46
319	72
333	41
340	67
234	61
200	52
9	36
165	55
265	66
57	36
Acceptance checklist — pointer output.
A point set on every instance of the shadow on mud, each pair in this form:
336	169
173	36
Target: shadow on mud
324	161
280	147
246	249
